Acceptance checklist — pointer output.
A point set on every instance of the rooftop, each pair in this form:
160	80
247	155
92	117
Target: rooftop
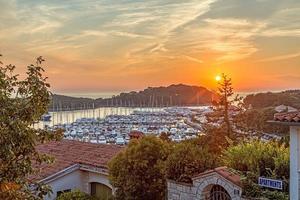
287	118
225	172
70	152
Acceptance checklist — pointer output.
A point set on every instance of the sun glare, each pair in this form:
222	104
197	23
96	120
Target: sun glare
218	78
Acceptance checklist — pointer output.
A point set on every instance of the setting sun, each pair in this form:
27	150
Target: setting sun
218	78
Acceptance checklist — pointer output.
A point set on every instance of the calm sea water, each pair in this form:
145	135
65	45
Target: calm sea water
63	117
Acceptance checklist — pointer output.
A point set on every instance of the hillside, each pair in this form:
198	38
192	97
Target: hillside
173	95
263	100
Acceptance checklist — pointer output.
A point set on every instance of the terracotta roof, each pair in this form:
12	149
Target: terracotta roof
70	152
288	117
136	134
225	172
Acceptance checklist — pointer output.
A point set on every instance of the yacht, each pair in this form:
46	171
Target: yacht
102	140
46	117
127	139
120	140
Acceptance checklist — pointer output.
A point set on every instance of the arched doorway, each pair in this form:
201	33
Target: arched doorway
101	191
215	192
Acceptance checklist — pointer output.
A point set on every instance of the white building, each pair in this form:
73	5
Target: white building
292	119
78	165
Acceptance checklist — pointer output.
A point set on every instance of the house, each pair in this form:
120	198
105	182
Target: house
292	119
219	183
136	134
77	165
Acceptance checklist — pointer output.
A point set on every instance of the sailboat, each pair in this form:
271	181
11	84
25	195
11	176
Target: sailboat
46	117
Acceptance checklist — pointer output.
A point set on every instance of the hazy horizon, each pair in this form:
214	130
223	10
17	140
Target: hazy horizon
108	94
97	45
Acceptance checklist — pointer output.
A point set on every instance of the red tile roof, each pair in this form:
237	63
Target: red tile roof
136	134
288	117
225	172
70	152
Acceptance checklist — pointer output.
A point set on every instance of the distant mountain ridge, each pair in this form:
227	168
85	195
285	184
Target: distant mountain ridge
272	99
173	95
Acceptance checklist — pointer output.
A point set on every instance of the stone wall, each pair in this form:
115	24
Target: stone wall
180	191
200	187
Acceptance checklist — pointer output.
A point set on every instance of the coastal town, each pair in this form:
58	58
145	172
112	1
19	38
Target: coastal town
149	100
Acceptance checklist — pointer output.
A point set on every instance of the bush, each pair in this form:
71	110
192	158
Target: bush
137	172
187	160
257	158
75	195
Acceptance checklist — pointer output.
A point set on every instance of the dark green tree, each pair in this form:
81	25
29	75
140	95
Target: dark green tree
225	108
225	91
188	159
138	171
22	103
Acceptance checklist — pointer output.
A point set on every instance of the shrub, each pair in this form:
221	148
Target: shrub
137	172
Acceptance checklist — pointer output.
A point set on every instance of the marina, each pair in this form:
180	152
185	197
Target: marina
114	125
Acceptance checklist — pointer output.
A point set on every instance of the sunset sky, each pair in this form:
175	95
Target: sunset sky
121	45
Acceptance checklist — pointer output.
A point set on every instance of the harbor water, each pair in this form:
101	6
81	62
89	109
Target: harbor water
63	117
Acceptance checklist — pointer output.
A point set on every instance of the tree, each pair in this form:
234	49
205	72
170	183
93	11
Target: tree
255	120
188	159
225	110
22	103
225	91
257	158
165	137
137	172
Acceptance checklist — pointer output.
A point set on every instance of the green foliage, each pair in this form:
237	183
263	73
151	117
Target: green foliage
215	139
188	159
222	113
76	195
263	100
256	158
255	120
225	92
165	137
22	103
137	172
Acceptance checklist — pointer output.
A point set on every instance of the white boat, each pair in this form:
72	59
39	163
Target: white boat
46	117
102	140
73	133
127	139
120	140
93	141
177	138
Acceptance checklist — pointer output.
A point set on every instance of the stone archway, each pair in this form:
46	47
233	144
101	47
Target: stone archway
206	185
216	183
215	192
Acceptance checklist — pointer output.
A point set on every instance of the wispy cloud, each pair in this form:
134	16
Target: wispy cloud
275	32
281	57
193	59
149	36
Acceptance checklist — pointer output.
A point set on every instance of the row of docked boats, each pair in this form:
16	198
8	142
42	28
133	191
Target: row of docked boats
116	128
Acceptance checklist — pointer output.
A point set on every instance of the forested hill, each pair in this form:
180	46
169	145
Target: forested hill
173	95
263	100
